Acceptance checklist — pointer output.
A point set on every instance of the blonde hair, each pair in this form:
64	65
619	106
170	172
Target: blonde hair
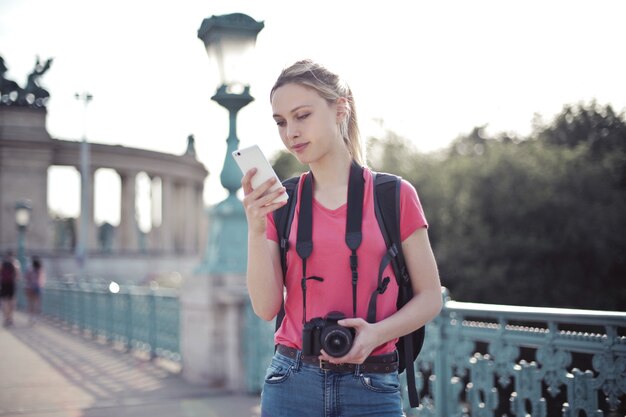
330	87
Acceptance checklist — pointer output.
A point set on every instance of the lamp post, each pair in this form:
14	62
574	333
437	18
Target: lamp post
229	41
83	238
22	219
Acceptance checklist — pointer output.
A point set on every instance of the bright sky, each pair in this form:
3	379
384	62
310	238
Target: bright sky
430	71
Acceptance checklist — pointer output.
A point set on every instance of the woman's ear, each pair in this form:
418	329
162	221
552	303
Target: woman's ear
343	110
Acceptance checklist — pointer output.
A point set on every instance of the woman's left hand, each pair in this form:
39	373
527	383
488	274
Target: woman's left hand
365	341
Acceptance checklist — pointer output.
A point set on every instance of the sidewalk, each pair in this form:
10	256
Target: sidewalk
49	372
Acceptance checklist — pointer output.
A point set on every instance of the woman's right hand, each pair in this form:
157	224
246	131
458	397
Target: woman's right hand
257	203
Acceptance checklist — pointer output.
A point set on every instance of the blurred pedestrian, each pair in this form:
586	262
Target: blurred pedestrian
34	281
9	273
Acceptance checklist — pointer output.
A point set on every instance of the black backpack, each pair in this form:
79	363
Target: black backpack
387	209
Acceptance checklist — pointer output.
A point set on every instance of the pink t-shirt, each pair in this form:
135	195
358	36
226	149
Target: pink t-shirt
330	260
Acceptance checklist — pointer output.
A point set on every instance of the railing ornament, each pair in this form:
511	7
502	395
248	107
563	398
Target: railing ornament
611	377
527	389
459	348
434	406
505	356
481	394
581	395
554	363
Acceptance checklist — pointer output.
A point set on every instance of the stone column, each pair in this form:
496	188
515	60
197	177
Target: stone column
190	210
92	231
167	196
199	218
212	316
154	237
91	242
128	240
26	152
178	218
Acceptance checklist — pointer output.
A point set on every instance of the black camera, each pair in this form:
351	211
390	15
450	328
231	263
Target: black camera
324	333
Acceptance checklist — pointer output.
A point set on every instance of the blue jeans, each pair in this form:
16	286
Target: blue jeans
296	389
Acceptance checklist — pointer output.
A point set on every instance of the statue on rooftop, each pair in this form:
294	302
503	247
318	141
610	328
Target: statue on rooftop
191	146
9	89
33	94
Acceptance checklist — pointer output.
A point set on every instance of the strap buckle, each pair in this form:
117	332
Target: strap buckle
324	365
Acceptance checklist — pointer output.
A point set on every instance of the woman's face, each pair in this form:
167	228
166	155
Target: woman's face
307	123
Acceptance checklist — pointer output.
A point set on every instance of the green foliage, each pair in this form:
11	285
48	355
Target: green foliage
286	165
537	222
600	128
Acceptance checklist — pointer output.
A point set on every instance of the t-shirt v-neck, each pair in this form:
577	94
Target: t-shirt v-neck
341	210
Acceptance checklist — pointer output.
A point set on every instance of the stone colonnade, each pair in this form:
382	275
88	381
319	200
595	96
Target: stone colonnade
181	206
27	151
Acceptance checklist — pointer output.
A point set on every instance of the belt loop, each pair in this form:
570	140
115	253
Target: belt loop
357	370
298	360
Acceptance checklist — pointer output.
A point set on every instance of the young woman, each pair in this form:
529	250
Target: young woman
316	118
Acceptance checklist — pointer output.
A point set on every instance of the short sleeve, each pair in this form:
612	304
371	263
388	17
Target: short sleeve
270	232
411	213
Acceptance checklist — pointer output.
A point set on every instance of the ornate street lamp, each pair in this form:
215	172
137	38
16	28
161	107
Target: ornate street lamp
22	219
229	41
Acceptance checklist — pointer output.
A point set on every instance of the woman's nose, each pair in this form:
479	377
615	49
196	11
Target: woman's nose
292	132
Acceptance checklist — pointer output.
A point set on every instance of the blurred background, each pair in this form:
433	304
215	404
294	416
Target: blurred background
509	118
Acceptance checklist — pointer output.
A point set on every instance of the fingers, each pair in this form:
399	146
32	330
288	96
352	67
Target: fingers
362	346
356	323
246	181
262	197
258	203
263	210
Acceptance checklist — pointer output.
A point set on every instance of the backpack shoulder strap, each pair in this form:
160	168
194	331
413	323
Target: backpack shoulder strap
283	217
387	209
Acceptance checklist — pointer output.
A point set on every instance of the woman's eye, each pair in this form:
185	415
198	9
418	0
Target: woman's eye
304	116
280	123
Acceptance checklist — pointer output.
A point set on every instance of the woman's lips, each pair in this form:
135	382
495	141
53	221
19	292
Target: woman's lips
299	147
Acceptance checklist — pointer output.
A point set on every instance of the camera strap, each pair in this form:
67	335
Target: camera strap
304	243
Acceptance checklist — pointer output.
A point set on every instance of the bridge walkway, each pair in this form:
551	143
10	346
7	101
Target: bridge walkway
46	371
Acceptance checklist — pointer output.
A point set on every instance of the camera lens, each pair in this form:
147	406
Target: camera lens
336	341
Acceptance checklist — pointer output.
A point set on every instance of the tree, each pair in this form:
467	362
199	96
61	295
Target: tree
286	165
599	127
530	221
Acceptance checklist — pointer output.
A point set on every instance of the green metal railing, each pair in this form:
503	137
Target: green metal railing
477	360
135	317
493	360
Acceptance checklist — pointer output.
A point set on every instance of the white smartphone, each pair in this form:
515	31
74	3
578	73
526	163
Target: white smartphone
252	157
